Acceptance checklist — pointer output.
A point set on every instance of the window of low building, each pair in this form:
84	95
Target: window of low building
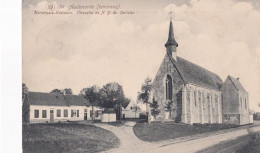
96	113
44	114
65	113
36	113
77	113
91	113
71	113
58	112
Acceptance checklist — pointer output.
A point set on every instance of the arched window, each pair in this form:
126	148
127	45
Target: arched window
195	98
169	87
245	104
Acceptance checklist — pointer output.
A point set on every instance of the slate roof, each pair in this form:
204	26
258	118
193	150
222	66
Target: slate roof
51	99
236	83
76	100
192	73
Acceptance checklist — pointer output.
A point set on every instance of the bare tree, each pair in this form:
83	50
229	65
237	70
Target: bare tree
25	104
93	96
145	93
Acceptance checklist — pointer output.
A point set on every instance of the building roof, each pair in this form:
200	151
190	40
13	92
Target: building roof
171	40
108	111
236	83
76	100
52	99
192	73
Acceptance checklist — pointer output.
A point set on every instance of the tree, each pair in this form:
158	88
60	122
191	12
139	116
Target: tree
67	91
25	104
93	96
144	94
112	96
169	107
24	91
57	91
154	108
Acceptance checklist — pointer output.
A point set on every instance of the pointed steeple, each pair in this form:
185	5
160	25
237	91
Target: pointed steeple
171	39
171	44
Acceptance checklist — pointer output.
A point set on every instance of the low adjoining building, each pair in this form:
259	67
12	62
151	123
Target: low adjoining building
108	115
132	110
49	107
235	102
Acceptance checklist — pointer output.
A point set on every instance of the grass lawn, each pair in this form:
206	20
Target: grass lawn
158	131
66	137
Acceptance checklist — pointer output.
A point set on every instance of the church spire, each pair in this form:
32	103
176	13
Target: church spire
171	39
171	44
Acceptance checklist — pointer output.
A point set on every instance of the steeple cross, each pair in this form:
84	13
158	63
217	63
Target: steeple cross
171	13
172	16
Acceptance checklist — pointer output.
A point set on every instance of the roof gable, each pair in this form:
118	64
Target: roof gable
192	73
236	84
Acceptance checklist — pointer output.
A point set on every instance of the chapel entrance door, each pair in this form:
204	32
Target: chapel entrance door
51	116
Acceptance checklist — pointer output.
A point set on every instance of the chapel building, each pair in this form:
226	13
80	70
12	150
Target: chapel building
194	91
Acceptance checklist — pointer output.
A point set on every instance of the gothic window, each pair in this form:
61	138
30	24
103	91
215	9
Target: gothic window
216	100
195	98
241	102
188	96
203	102
208	101
169	87
245	104
199	94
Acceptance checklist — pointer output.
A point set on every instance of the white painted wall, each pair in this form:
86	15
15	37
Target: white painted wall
130	114
61	118
108	118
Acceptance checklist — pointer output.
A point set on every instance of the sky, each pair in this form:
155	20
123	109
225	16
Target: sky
78	51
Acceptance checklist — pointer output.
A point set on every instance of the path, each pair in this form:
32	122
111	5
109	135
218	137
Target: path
129	142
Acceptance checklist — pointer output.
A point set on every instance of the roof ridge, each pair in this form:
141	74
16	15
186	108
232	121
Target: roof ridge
230	78
237	83
53	93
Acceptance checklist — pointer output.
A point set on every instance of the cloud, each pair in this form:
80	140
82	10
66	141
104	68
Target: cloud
79	51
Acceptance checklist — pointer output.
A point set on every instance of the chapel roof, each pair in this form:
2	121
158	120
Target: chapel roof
52	99
195	74
237	83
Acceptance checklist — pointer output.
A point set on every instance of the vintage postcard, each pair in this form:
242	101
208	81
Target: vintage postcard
125	76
